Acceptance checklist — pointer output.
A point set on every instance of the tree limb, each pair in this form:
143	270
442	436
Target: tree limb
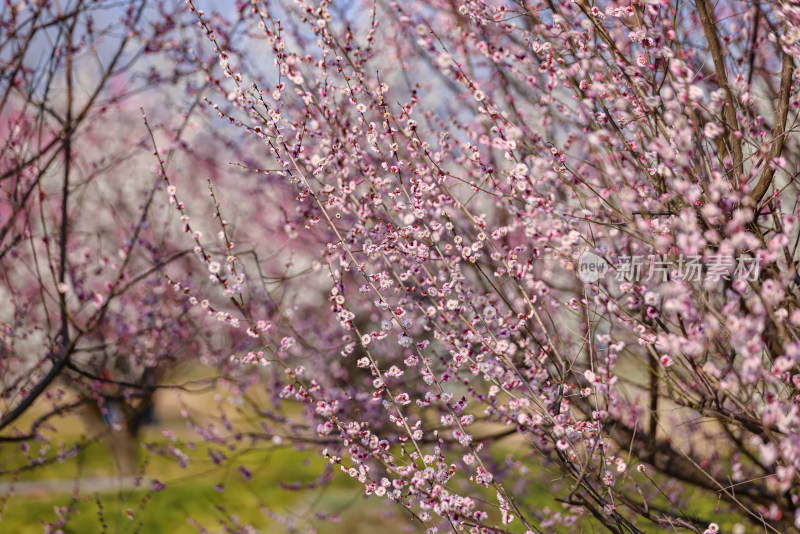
710	30
778	131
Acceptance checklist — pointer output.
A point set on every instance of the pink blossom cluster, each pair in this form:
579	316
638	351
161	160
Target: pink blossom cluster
392	262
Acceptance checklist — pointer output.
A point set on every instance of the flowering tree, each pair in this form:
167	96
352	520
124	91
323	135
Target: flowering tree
477	251
86	322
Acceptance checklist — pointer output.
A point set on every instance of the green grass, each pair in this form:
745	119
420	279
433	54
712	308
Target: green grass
193	495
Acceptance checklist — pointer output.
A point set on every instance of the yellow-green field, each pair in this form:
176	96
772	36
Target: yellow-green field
191	497
206	497
203	495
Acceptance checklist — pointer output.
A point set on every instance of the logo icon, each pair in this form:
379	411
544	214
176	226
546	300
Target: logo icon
591	267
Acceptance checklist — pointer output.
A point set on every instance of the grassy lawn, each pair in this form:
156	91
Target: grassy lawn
205	497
